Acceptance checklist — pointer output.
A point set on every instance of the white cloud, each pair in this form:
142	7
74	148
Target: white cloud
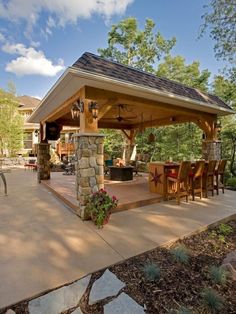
31	61
61	11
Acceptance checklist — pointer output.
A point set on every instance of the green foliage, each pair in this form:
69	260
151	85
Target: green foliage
151	272
225	229
183	310
174	68
177	141
180	254
212	300
232	182
218	275
137	48
225	88
11	124
220	19
99	205
113	143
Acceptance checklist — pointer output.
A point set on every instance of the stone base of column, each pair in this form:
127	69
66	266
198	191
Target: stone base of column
43	161
211	150
90	167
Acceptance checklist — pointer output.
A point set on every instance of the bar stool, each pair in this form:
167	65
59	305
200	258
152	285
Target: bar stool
219	176
208	177
196	179
180	180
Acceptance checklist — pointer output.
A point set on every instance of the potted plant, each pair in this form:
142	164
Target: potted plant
99	205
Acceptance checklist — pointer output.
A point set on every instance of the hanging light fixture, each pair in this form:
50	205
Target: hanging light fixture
76	109
93	108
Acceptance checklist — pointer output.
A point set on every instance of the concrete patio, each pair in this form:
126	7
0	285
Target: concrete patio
44	245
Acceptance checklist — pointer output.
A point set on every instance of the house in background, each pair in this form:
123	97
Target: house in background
63	147
27	105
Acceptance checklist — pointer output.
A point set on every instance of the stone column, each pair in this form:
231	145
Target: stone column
43	161
211	150
90	167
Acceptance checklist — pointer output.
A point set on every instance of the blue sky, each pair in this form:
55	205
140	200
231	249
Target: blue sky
38	40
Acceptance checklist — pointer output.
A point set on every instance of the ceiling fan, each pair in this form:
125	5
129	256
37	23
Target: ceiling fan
120	117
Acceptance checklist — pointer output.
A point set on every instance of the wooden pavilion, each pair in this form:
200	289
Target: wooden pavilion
97	93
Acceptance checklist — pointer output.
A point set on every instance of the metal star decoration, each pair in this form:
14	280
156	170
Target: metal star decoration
156	178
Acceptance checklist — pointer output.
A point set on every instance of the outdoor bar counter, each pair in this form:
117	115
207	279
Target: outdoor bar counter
157	176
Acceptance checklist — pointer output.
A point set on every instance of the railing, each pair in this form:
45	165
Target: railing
65	149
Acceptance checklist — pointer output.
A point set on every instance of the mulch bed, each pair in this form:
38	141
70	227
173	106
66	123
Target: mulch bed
179	284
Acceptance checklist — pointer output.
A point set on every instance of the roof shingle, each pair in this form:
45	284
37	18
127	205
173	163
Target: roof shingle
95	64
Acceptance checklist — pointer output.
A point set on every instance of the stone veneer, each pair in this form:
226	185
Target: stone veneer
43	161
90	167
211	150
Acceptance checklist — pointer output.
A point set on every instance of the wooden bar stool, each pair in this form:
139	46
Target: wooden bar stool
196	179
208	177
219	176
180	180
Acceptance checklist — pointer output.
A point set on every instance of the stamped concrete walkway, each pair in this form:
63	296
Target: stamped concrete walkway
43	245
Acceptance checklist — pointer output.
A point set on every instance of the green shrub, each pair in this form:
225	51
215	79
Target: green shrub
151	272
232	182
183	310
225	229
218	275
180	254
212	300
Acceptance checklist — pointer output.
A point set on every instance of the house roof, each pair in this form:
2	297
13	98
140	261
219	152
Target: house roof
95	64
28	102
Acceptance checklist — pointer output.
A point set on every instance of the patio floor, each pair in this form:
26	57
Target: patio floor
131	194
43	245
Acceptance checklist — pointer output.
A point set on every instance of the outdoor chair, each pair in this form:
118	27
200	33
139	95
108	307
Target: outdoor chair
208	177
219	176
196	178
69	169
107	163
179	181
31	164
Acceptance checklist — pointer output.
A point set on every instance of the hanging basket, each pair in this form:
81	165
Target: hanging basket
151	138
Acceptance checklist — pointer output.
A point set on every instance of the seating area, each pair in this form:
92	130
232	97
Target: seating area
198	178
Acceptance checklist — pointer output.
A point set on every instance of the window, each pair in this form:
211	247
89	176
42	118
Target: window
28	140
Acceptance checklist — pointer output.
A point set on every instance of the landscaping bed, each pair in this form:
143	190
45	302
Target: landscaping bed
179	285
167	280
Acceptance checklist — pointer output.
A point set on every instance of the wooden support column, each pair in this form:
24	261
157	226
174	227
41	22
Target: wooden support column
130	144
211	145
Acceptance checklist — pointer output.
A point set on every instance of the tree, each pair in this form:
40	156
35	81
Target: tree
220	19
225	88
137	48
11	124
174	68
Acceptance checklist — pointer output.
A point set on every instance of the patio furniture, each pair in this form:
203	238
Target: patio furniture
219	176
107	163
69	169
208	177
32	165
121	173
179	181
196	179
4	181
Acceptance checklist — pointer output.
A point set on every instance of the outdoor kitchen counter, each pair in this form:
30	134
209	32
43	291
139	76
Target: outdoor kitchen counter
157	176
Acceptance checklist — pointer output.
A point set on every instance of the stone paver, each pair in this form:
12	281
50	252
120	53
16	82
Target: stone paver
10	312
61	299
230	263
77	311
123	304
108	285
